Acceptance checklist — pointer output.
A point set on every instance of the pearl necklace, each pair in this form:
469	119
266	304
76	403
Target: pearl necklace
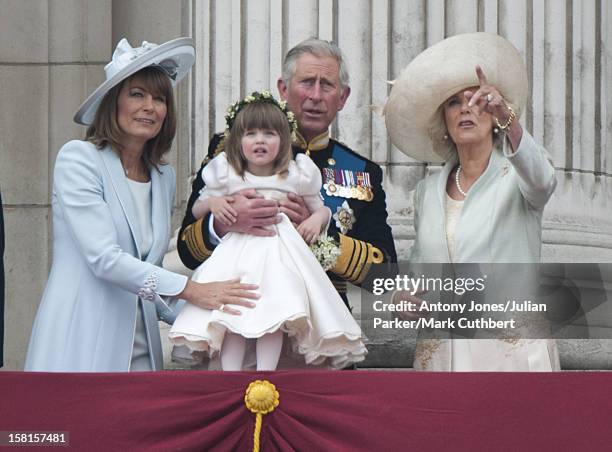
457	182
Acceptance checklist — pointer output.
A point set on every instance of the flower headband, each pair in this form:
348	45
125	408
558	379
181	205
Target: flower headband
257	96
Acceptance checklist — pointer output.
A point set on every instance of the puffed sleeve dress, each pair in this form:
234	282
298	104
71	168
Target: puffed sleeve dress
297	297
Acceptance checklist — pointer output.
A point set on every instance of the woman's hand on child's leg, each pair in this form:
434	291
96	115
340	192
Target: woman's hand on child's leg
222	210
220	295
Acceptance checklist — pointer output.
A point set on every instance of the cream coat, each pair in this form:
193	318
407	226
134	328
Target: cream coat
501	222
87	316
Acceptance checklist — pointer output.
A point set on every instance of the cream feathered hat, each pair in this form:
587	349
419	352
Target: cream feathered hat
441	71
174	57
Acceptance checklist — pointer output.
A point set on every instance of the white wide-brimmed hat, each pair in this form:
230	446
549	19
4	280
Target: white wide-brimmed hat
174	57
441	71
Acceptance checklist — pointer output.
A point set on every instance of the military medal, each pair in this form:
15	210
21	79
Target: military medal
339	182
345	218
361	192
331	189
353	186
349	184
369	194
345	190
344	183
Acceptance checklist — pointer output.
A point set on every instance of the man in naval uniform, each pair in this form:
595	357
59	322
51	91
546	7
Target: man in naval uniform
315	85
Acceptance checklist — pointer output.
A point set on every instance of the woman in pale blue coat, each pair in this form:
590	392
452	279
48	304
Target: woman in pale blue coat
459	102
112	203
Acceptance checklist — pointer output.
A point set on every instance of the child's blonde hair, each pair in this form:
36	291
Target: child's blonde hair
259	115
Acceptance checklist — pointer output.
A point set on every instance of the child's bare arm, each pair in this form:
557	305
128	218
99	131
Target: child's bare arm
200	208
312	226
220	206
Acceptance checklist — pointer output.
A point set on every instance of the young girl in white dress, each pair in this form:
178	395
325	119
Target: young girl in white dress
298	302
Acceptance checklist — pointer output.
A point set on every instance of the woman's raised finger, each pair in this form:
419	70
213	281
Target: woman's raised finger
482	78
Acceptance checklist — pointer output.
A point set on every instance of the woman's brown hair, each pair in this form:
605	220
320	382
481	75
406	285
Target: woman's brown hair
259	115
105	130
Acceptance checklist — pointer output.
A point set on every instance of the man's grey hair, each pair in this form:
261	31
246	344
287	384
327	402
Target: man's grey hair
317	47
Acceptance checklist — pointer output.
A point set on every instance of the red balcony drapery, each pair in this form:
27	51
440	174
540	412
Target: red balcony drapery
318	410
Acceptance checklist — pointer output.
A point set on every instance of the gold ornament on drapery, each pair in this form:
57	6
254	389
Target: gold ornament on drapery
261	398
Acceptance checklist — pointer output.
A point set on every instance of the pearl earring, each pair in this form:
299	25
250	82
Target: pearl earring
446	136
495	130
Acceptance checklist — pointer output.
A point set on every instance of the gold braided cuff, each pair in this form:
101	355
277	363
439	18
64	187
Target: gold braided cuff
193	238
355	259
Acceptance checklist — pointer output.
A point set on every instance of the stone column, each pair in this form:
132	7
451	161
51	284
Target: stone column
51	55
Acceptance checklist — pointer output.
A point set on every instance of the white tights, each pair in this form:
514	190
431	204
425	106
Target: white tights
268	351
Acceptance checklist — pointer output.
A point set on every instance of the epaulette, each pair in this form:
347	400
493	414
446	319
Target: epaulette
221	146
